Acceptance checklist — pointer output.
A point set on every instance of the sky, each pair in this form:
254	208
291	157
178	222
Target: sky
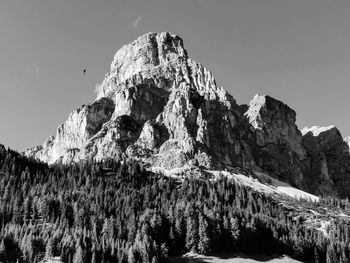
295	51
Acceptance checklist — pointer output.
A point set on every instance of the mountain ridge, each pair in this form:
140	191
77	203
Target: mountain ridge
159	106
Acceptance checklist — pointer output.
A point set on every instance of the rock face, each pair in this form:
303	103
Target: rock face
277	143
161	107
329	166
81	126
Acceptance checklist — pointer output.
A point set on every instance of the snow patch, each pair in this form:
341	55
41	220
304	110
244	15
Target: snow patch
275	187
247	181
235	258
296	193
278	187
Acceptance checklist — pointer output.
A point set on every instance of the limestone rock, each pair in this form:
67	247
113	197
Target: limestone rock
159	106
274	122
82	124
277	141
329	170
177	113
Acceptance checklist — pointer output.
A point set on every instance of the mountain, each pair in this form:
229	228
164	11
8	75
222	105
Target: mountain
159	106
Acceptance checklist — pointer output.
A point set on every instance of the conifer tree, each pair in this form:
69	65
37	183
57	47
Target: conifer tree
192	233
234	230
203	232
49	249
131	257
78	255
2	249
331	256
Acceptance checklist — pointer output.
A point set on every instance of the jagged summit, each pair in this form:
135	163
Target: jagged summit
159	106
268	115
142	58
169	99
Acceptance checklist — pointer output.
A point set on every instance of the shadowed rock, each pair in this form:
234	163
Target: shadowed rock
329	169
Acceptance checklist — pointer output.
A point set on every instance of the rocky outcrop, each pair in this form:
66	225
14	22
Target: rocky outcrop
159	106
274	123
329	166
276	142
81	126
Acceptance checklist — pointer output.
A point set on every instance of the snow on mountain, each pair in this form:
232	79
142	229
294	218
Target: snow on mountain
274	187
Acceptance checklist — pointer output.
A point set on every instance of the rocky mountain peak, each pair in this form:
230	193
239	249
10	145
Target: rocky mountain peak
159	106
169	100
274	122
148	55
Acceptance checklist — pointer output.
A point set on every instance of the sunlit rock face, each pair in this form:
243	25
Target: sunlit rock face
81	125
159	106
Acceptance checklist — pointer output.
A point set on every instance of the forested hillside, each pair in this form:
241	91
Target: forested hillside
120	212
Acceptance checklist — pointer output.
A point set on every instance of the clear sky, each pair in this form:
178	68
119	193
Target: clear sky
297	51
